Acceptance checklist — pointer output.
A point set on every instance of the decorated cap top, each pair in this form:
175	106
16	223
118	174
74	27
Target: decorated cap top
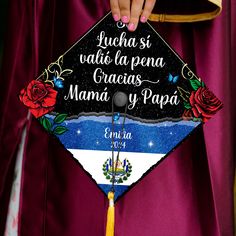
116	91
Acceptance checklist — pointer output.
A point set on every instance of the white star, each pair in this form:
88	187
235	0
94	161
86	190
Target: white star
171	133
97	142
78	131
150	144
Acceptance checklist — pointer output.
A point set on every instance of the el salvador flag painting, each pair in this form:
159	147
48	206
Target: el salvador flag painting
143	146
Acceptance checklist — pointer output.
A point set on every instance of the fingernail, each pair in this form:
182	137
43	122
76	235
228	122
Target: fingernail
116	17
143	19
131	27
125	19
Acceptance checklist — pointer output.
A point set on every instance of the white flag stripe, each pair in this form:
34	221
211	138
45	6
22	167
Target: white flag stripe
93	160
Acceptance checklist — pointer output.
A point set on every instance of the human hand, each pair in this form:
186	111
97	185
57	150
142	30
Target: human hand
129	11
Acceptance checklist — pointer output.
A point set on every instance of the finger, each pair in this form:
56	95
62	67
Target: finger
124	10
136	9
149	5
115	9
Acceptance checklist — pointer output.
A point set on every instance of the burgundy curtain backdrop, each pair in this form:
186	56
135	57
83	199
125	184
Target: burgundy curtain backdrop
190	193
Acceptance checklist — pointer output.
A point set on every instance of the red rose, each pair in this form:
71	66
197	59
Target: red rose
39	97
204	103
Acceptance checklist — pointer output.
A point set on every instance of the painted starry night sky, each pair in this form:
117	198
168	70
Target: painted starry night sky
156	83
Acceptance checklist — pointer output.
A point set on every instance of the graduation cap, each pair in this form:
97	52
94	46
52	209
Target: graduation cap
120	102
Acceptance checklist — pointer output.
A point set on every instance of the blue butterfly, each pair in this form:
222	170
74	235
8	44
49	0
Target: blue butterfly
58	82
173	79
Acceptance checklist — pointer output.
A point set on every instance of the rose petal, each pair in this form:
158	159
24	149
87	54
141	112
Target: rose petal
199	108
29	103
205	119
38	94
22	92
198	96
30	86
191	99
188	114
195	112
198	92
208	114
41	111
50	99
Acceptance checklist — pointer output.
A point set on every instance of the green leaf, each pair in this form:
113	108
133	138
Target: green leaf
203	85
108	177
120	180
40	119
195	83
125	178
47	124
60	130
60	118
197	119
187	105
